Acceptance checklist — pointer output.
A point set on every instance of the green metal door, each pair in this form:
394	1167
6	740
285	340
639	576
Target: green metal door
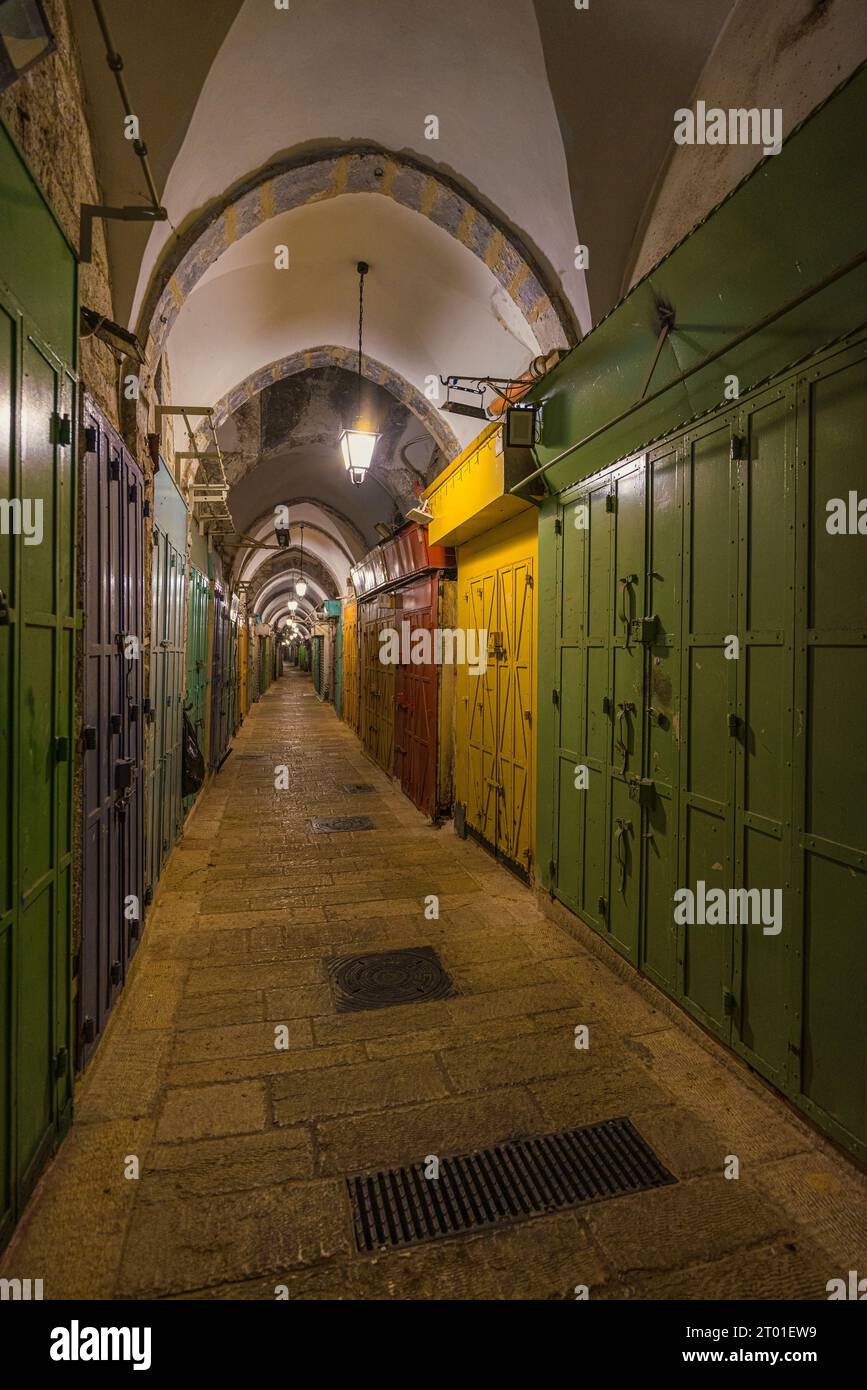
708	700
710	663
37	639
197	682
829	841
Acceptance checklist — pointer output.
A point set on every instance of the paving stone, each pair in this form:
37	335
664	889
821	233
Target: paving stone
782	1270
175	1172
222	978
220	1010
177	1246
368	1086
240	1040
407	1134
199	1112
307	1002
687	1223
273	1063
124	1078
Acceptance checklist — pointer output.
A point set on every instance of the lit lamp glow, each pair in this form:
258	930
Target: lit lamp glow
357	447
301	587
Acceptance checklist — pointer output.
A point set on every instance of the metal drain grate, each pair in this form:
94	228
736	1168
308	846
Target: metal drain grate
334	825
512	1181
410	975
354	787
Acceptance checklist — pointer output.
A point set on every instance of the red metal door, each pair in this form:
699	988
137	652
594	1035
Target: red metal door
415	728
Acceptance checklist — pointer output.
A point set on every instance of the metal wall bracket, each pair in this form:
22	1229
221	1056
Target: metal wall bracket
90	211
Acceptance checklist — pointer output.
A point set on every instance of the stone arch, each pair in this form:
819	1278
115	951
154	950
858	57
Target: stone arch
329	355
300	180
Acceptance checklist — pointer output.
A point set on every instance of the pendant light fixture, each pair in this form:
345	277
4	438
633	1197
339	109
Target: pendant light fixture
357	445
301	582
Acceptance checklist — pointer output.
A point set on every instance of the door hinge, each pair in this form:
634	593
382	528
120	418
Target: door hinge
146	507
114	469
88	1030
89	735
61	1062
558	526
552	870
738	449
4	610
61	749
555	696
611	502
794	1049
61	429
729	1003
602	906
115	972
91	438
606	704
735	725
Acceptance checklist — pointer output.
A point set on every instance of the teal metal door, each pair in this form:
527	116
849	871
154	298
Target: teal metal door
38	470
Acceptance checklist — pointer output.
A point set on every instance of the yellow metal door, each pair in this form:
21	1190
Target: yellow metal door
515	688
480	701
350	664
495	710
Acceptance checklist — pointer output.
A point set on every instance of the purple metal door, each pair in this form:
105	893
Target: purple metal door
112	726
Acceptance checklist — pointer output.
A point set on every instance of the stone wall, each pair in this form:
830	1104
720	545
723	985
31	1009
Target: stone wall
45	114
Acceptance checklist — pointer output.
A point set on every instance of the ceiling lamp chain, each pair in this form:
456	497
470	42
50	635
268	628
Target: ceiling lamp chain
301	582
357	445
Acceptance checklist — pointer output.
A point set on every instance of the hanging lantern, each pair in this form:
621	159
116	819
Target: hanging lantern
301	582
357	445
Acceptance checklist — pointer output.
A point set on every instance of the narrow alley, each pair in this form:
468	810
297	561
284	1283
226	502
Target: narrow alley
433	663
244	1149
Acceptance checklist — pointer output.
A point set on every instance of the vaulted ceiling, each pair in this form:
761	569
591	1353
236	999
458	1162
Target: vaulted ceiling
309	128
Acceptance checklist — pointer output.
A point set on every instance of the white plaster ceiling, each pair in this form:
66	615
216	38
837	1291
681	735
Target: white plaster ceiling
322	538
333	72
431	307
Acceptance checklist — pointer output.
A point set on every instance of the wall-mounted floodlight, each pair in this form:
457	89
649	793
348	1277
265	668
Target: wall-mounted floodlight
520	428
420	514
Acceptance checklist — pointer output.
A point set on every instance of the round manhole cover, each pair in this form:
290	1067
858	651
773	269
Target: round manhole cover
382	978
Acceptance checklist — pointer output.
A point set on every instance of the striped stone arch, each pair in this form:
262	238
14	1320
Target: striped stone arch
296	183
327	355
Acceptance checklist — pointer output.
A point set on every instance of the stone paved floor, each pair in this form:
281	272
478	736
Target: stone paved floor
242	1148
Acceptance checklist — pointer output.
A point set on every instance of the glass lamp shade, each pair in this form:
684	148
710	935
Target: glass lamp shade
301	587
292	604
357	447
